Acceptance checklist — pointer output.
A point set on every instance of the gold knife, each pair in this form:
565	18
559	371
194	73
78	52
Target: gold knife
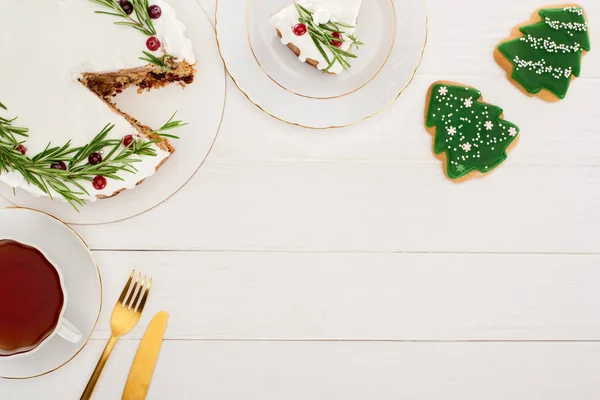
142	368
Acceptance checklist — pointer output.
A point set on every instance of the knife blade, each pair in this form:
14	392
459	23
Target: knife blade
145	359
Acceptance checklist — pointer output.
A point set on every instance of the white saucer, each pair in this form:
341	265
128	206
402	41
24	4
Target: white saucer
201	105
273	79
82	282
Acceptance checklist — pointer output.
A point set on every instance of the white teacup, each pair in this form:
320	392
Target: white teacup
62	327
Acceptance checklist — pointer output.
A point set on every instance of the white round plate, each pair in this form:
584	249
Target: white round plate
201	105
273	79
82	284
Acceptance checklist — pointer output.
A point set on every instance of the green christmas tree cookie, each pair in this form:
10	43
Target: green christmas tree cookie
469	136
544	54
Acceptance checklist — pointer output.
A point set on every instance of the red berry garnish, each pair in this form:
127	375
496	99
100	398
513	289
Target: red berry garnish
299	29
99	182
22	149
153	43
336	43
154	11
126	6
95	158
127	140
59	165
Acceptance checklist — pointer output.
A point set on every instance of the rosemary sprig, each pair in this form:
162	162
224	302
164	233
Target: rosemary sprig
355	41
163	62
322	37
142	23
11	132
169	125
67	183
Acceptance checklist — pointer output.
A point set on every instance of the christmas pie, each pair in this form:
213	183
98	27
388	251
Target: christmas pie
70	141
320	32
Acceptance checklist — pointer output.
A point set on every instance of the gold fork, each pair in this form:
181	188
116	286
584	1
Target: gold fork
125	317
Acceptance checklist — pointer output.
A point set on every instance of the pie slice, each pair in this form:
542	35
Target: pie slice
60	78
320	32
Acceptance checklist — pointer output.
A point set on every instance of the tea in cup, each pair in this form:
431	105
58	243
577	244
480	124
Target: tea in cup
32	301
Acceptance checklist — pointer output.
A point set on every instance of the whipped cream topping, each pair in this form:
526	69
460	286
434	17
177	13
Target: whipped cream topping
345	11
58	40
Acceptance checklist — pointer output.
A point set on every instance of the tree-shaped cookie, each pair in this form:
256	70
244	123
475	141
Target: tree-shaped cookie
543	55
469	136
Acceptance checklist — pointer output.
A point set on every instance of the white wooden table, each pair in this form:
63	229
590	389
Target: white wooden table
342	264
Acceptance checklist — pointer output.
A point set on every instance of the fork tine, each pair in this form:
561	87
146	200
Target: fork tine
134	290
143	302
126	288
139	291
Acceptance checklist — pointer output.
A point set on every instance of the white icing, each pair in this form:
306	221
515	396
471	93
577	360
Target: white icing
171	33
322	16
345	11
58	40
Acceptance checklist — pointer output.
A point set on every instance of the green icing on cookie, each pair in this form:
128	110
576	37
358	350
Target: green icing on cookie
550	51
471	133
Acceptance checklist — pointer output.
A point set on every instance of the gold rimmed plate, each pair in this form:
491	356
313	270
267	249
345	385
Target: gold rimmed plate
82	283
273	79
200	104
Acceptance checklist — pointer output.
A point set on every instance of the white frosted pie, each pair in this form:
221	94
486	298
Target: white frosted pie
320	32
71	62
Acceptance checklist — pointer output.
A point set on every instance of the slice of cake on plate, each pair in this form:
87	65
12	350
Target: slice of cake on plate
72	57
320	32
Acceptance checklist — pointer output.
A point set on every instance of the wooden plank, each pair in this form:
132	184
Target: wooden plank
368	207
565	133
341	370
314	296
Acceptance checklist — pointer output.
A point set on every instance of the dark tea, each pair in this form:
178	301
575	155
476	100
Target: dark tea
31	297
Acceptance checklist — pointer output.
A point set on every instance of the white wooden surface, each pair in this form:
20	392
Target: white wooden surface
342	265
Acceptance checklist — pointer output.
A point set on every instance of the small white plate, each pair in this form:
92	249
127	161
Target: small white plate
273	79
82	283
201	105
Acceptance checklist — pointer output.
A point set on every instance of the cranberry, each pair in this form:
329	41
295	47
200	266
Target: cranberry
299	29
336	43
126	6
154	11
127	140
99	182
153	43
95	158
59	165
21	149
